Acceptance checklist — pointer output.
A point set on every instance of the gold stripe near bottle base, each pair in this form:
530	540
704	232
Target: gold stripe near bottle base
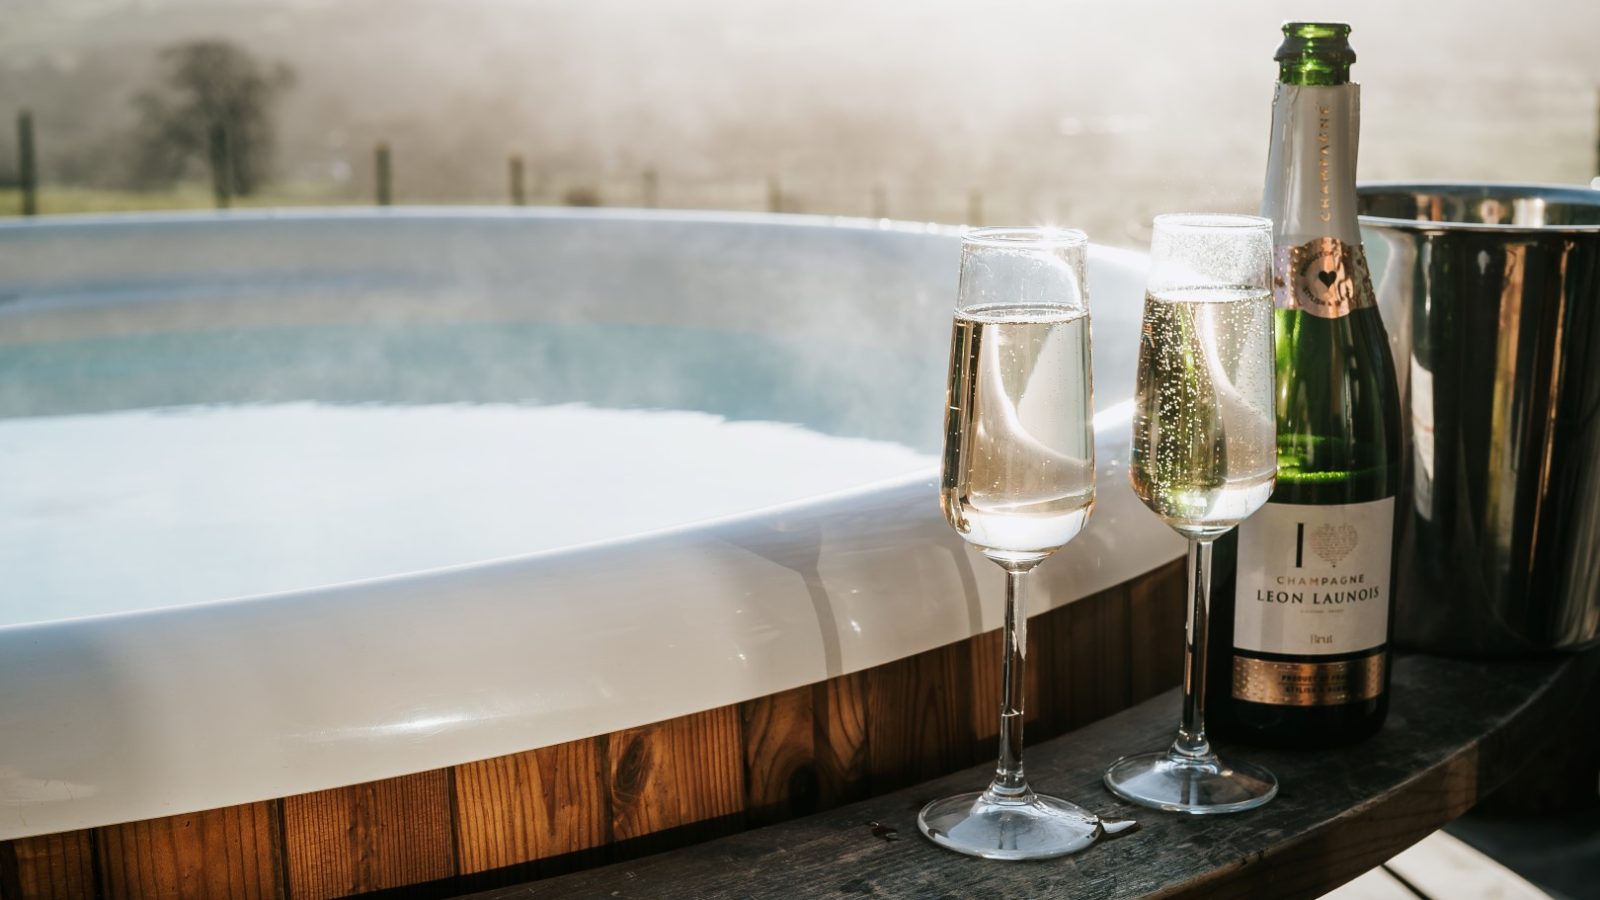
1308	684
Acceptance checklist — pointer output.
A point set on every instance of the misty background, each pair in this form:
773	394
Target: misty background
1089	114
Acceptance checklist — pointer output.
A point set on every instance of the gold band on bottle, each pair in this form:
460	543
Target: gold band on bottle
1309	684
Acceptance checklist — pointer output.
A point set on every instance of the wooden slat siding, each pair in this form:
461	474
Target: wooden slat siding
1068	650
49	867
675	773
1157	613
1043	687
530	806
382	834
1095	671
839	723
1049	692
805	750
984	650
708	763
780	756
231	852
919	716
1049	680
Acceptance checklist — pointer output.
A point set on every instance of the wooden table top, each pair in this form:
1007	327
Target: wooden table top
1456	730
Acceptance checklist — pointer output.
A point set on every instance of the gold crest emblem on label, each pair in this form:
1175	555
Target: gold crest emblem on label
1325	277
1334	542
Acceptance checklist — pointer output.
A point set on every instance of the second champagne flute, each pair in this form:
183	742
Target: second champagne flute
1204	458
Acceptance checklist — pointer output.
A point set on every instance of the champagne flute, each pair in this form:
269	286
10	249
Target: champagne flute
1204	458
1018	483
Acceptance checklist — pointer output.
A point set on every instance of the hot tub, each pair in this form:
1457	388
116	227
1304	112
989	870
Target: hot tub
297	500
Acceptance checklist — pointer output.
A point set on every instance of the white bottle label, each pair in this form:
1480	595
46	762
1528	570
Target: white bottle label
1314	580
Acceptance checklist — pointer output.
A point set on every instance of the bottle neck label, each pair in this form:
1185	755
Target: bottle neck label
1311	198
1311	163
1325	277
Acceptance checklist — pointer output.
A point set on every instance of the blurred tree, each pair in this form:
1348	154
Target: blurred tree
213	94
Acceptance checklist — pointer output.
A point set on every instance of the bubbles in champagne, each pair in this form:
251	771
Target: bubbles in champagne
1204	433
1019	437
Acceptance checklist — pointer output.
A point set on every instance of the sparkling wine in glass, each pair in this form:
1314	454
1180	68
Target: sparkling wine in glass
1204	458
1018	483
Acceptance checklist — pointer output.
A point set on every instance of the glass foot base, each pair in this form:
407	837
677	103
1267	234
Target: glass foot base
1032	826
1199	786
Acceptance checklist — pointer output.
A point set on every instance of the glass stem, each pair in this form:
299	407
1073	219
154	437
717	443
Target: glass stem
1009	783
1191	743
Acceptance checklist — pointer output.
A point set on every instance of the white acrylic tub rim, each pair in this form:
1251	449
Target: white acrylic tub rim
138	715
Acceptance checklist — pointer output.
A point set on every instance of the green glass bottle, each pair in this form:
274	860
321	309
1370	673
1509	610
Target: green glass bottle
1304	612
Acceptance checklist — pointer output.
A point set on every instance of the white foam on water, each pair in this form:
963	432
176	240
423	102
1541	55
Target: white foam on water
150	508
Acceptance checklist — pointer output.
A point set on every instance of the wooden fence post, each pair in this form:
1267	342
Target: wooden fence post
384	174
27	173
221	164
519	196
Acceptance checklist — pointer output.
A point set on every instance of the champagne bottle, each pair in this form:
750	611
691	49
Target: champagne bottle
1303	604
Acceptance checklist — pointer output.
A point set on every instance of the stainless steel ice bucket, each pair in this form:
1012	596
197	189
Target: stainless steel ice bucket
1491	294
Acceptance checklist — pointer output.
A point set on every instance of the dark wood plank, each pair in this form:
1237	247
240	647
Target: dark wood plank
230	852
676	773
1096	670
530	806
780	756
984	651
1457	728
1335	856
839	720
372	836
48	867
1560	778
919	716
1047	693
1157	617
